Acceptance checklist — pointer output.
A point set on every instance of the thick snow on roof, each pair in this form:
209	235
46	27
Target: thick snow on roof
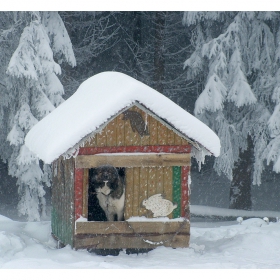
96	101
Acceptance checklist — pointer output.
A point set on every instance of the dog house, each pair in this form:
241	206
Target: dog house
115	120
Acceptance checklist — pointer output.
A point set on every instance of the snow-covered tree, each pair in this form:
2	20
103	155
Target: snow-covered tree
31	90
236	59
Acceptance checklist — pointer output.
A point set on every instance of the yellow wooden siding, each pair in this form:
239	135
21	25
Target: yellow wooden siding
128	207
141	183
118	132
143	189
167	185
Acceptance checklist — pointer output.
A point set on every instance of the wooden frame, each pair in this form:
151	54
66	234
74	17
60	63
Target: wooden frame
133	160
81	187
135	235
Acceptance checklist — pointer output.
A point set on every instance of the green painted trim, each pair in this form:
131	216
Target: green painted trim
176	184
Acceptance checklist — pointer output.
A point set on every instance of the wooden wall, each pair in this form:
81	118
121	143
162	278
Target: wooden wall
141	182
118	132
132	235
62	220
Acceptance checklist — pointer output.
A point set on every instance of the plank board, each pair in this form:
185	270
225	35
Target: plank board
111	133
153	138
112	235
167	185
91	161
152	184
85	192
136	187
143	190
120	131
177	191
128	193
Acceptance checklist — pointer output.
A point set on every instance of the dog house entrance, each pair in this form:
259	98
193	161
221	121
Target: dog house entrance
95	211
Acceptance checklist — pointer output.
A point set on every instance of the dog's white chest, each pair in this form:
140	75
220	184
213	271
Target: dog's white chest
111	206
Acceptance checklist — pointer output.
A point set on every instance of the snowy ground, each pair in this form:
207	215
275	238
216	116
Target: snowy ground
253	244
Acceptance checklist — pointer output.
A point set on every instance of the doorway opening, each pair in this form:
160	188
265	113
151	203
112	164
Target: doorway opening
96	210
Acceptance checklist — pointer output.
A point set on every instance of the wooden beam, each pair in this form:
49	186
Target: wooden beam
124	227
140	160
112	235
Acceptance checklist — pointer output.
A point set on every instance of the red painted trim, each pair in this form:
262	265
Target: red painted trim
184	190
79	172
135	149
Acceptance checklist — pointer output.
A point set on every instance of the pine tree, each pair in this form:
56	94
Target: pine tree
236	57
135	43
32	90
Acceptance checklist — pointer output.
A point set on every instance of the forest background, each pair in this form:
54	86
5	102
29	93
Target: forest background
223	67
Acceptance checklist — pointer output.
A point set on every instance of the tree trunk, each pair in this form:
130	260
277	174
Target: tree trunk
137	38
240	189
159	51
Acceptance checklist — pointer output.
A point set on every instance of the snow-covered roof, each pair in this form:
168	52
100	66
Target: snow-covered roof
95	102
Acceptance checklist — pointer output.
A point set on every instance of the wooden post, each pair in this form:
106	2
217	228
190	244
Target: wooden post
79	172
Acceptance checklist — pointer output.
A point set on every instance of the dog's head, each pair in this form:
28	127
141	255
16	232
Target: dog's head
104	179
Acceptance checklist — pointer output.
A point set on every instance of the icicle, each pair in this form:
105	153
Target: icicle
199	155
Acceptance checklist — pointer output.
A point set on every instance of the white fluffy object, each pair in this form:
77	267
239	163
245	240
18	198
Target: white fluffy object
158	205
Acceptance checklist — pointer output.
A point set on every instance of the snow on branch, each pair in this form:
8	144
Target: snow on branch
212	97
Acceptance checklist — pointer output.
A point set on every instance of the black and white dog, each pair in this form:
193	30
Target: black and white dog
109	188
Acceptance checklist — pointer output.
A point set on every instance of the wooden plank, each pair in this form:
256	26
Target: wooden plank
125	227
112	235
136	186
167	182
152	188
132	241
128	193
120	131
111	134
145	140
69	189
62	210
78	192
153	131
85	192
170	137
72	202
55	186
167	185
90	161
101	138
64	201
177	139
184	142
143	190
162	134
159	177
136	149
128	133
184	192
91	142
177	191
136	138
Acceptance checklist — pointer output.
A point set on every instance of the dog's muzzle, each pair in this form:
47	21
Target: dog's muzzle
105	190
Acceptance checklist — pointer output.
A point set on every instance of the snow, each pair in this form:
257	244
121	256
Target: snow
200	210
251	244
157	219
100	98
